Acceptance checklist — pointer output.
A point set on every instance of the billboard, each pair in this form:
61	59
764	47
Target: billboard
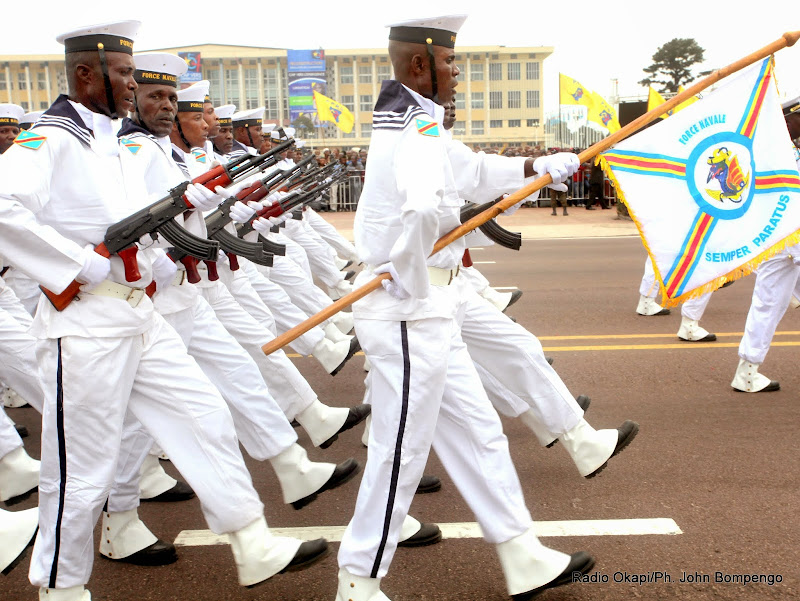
193	62
306	70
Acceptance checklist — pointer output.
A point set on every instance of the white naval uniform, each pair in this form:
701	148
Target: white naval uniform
777	279
101	356
343	247
27	291
691	309
9	439
425	389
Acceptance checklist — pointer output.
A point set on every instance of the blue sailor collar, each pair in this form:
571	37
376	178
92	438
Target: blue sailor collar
63	115
397	106
129	129
237	150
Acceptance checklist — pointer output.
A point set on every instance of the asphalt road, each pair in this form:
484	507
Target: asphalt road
723	465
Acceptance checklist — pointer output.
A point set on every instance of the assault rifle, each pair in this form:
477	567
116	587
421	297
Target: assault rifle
491	229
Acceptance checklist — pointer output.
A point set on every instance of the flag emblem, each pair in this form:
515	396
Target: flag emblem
28	139
199	155
427	128
577	94
132	146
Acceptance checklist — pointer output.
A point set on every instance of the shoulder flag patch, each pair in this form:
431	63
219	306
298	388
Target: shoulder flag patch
132	146
427	128
30	140
199	155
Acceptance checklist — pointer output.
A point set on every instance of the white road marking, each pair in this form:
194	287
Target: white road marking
629	527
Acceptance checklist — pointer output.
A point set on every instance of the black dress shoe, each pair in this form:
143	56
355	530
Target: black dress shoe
625	433
295	423
21	430
349	275
354	348
346	265
309	553
356	416
583	402
344	472
428	484
18	559
21	497
771	387
579	563
515	296
160	553
549	360
180	492
707	338
428	534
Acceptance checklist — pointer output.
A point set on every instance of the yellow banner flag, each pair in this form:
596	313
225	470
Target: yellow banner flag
602	113
654	99
571	91
329	109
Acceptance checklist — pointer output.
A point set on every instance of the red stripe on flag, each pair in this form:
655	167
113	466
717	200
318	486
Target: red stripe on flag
688	258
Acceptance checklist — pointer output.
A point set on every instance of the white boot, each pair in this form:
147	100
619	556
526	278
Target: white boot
500	300
322	422
73	593
154	479
158	452
358	588
342	288
589	448
334	334
649	306
794	303
11	399
341	263
528	564
691	331
260	555
299	477
124	534
747	379
344	321
543	436
16	531
19	474
333	355
365	434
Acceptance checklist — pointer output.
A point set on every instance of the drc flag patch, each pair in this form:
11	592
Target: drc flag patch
427	128
199	155
132	146
30	140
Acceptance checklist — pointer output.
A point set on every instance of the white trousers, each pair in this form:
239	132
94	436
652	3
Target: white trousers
9	439
691	309
89	385
294	251
343	247
286	384
18	367
27	291
513	368
297	284
776	280
317	250
425	391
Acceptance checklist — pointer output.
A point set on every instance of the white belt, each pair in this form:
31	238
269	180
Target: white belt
132	296
180	277
442	277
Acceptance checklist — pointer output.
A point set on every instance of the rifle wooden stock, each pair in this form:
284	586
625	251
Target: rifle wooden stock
60	301
786	40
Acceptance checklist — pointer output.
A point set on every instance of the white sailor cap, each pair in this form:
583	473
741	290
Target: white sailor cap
791	106
283	133
11	114
249	117
114	37
300	143
224	114
28	119
159	68
438	31
267	127
190	100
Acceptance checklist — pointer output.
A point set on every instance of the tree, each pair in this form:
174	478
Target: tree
305	126
672	64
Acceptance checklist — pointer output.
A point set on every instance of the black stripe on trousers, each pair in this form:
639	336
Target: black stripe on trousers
397	450
62	460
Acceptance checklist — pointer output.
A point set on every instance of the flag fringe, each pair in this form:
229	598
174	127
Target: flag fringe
740	272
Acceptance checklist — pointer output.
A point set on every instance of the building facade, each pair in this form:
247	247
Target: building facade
498	100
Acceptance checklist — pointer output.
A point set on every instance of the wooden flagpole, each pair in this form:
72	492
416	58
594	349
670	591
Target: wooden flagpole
788	39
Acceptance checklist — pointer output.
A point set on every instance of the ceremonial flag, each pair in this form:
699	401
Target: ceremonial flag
655	99
330	110
714	190
570	91
602	113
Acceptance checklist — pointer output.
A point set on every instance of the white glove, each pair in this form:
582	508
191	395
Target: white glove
164	270
94	271
393	286
262	225
242	213
202	198
560	166
234	189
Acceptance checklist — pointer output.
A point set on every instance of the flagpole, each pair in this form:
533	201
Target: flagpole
788	39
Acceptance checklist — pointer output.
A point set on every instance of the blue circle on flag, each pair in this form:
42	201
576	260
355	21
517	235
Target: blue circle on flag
720	175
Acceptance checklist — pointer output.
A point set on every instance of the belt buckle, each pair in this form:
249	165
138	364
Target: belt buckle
453	274
134	297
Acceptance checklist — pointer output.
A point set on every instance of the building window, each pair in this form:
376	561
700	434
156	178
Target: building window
24	105
477	128
532	96
214	89
41	81
460	76
365	102
352	134
365	74
44	105
61	80
513	71
476	71
232	87
22	82
477	100
460	128
495	100
384	72
533	123
515	100
3	82
461	101
349	102
495	71
251	88
532	70
495	123
366	130
271	94
514	123
346	74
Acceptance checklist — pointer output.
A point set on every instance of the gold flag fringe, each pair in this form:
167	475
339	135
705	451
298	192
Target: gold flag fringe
739	272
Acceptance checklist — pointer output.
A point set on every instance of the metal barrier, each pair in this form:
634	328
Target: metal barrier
577	193
344	195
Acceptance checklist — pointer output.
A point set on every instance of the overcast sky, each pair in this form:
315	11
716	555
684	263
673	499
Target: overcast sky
595	42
